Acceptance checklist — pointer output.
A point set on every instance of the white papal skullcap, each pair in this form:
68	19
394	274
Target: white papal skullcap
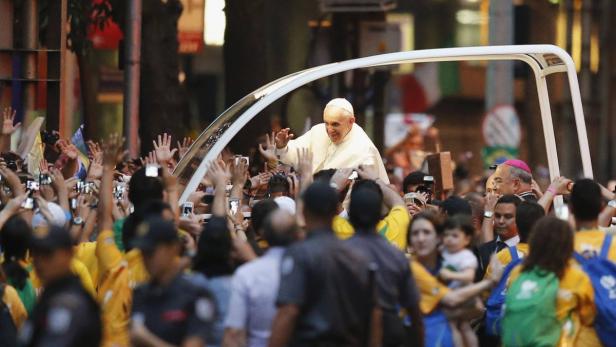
286	203
341	103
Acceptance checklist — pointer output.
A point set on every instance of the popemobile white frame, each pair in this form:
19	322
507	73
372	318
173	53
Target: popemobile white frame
544	60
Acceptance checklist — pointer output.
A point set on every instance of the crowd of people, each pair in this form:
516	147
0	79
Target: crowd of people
319	246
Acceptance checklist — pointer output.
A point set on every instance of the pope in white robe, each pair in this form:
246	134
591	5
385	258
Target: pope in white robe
336	143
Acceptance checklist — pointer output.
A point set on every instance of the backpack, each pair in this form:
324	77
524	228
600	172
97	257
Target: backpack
602	274
529	317
8	330
494	305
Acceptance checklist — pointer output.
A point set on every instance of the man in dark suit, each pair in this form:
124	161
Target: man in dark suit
505	229
506	233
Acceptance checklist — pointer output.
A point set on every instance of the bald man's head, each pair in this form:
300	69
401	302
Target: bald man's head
280	228
339	118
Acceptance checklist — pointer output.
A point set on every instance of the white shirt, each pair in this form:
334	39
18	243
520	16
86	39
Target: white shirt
355	149
254	289
459	261
513	241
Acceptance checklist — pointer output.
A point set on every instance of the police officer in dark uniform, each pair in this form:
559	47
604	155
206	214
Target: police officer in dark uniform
395	284
66	315
169	309
324	299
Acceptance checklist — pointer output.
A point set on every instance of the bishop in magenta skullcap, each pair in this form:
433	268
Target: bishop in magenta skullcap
517	163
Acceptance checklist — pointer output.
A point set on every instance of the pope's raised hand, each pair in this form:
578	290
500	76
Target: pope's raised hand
283	137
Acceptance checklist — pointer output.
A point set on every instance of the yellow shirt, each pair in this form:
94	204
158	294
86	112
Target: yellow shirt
431	291
86	253
591	241
16	307
119	274
575	304
394	227
504	257
78	269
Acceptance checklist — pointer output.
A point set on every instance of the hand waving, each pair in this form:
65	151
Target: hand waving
162	148
68	149
239	168
218	175
113	150
8	117
184	146
304	166
283	137
269	150
95	150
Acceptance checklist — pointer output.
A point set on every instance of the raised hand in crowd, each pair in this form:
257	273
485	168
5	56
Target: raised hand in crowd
8	128
59	185
191	224
8	120
340	180
559	186
268	150
68	161
260	180
367	172
162	150
239	173
219	177
95	149
12	207
95	171
304	159
71	184
12	181
68	149
487	226
47	191
304	165
283	137
112	154
391	197
149	159
184	146
414	208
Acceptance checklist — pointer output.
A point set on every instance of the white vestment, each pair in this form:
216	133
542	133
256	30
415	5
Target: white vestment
355	149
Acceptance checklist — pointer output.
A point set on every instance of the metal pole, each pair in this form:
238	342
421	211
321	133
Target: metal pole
605	72
132	77
567	114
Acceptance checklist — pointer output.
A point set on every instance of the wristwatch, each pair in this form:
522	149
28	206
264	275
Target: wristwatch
612	204
488	214
77	221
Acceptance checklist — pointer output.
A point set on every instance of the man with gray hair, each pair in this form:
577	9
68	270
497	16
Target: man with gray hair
514	177
336	143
